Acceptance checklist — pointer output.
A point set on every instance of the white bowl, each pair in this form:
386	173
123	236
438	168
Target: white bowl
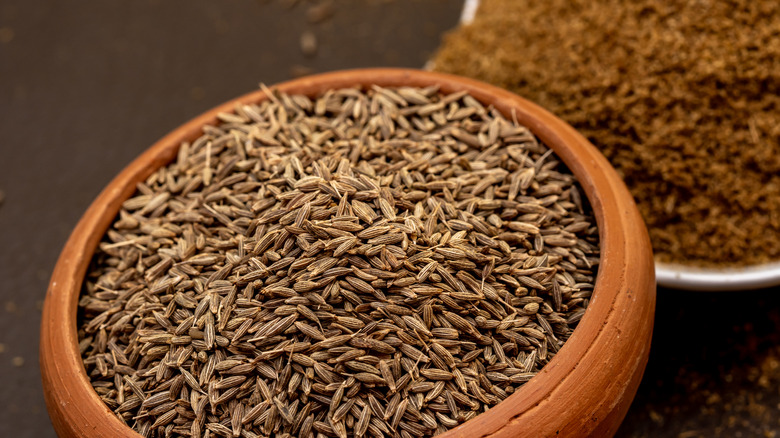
469	11
681	276
717	279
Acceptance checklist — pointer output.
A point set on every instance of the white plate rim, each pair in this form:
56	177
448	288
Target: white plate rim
469	11
717	279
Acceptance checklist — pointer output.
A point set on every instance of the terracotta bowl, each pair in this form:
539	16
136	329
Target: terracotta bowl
585	389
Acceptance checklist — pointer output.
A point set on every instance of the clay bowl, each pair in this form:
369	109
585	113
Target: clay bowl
586	388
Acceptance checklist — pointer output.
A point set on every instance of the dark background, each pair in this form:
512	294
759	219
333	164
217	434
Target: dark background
86	86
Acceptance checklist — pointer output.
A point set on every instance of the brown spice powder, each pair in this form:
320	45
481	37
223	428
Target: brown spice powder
682	97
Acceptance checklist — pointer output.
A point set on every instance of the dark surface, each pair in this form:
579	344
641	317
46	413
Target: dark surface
714	368
85	87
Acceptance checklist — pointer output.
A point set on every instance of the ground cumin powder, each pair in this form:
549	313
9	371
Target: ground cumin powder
681	96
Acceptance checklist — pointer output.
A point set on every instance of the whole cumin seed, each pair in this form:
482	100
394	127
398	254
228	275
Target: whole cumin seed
390	261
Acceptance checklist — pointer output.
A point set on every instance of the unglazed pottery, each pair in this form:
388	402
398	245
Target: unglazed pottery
585	390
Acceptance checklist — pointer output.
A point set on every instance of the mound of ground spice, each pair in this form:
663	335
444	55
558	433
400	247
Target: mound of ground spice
681	96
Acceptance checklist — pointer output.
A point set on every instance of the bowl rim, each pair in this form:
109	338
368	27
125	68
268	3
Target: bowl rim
620	312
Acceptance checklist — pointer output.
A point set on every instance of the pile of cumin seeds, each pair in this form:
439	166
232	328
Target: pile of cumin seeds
385	262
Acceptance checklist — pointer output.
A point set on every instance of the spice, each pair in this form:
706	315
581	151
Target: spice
320	11
682	98
308	43
390	261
